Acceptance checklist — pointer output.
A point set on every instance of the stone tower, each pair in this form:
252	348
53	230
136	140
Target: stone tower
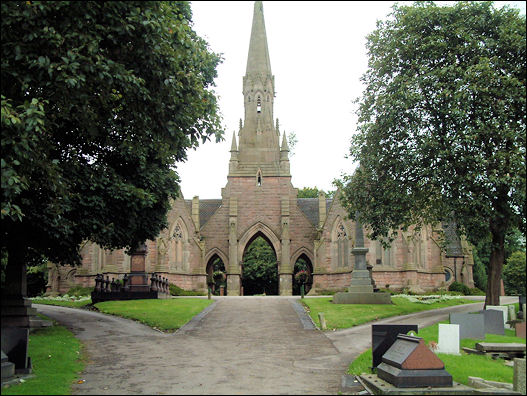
259	181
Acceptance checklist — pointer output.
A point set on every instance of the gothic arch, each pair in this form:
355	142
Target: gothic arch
217	252
178	246
340	244
251	233
302	251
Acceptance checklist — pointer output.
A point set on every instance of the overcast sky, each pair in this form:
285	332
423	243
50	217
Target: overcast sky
318	55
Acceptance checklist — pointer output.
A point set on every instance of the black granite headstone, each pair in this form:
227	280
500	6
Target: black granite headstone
383	336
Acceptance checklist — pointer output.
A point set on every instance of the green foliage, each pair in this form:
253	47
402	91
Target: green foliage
313	192
79	291
167	315
342	316
57	360
178	291
514	274
459	366
260	270
442	125
100	100
459	287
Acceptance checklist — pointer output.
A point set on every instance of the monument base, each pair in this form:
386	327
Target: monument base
378	386
402	378
362	298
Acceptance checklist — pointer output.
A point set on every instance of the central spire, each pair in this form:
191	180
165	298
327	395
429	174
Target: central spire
259	146
258	59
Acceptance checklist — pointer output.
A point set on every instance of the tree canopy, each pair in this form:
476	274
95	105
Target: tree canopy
260	269
100	100
441	131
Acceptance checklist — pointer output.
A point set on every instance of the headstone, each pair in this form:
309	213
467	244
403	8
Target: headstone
383	336
470	325
408	363
512	312
493	321
521	300
505	311
448	339
523	310
520	329
518	377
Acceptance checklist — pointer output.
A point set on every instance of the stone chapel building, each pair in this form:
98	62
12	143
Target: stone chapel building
259	200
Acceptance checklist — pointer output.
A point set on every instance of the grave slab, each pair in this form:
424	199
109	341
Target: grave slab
518	378
470	325
520	329
410	364
448	339
505	311
493	321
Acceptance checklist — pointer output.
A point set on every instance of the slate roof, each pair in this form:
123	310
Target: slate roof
207	207
310	208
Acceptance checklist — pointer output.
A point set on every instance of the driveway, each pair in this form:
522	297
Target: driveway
238	345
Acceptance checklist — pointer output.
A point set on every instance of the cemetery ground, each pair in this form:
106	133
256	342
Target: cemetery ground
71	365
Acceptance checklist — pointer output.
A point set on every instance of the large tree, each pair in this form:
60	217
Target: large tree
441	132
100	100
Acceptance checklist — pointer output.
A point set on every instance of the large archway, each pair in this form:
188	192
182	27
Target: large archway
303	263
259	267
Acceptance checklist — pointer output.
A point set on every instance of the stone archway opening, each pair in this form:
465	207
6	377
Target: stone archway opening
259	267
214	266
303	263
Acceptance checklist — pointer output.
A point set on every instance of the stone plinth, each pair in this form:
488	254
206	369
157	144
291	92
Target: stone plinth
518	379
138	278
410	364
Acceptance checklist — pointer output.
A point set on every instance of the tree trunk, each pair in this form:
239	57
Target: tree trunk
497	257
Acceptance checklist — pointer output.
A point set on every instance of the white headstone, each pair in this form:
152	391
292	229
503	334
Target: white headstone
448	339
505	311
512	312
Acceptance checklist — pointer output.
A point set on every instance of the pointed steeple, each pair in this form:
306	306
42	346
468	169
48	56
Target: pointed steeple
285	147
258	60
234	147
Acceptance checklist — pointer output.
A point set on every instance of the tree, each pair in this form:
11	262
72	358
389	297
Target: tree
441	130
312	192
100	100
260	270
514	274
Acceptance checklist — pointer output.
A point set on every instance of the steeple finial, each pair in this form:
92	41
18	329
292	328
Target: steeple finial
285	146
258	60
234	147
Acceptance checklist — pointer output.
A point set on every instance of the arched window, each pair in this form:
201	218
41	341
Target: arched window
259	178
259	105
340	242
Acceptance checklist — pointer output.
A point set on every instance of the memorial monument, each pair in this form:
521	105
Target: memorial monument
361	290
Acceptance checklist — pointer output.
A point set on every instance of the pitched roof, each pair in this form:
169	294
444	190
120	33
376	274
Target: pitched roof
309	206
207	207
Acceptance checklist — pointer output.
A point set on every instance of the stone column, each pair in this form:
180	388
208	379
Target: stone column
138	278
17	313
286	272
360	277
233	272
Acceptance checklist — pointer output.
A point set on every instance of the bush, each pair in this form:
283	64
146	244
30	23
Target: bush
79	291
459	287
514	274
476	292
178	291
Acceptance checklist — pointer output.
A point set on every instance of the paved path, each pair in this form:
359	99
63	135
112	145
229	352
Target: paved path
245	345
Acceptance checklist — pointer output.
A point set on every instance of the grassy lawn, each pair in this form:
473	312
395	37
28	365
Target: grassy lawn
342	316
166	315
62	303
56	356
460	367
